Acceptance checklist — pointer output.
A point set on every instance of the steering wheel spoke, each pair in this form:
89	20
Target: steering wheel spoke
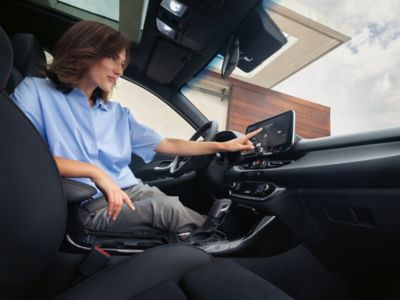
185	164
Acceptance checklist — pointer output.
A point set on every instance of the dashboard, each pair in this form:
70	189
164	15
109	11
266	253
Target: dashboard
338	195
277	136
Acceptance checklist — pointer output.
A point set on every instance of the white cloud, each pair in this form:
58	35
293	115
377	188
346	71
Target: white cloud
360	81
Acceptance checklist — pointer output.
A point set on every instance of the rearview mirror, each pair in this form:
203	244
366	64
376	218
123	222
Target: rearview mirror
231	58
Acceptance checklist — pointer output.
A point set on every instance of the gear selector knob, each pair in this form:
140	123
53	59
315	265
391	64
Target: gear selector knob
216	216
219	208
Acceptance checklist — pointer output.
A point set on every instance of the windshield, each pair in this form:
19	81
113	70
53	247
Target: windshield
126	16
346	81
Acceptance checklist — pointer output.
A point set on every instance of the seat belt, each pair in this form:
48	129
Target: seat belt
95	261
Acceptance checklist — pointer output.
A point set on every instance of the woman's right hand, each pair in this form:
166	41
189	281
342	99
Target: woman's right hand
112	192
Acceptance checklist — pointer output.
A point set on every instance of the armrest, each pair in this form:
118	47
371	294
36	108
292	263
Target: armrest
76	192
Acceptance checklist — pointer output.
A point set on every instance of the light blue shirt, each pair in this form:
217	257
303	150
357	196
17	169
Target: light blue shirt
104	135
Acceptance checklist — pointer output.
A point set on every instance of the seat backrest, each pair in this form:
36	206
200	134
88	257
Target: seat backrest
29	59
32	204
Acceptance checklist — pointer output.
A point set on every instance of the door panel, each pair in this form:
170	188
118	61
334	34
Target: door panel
156	172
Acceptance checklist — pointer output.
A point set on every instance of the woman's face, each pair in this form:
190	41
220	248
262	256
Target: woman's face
105	72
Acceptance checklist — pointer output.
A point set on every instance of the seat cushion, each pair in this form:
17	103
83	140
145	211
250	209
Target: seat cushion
175	272
140	273
167	290
228	281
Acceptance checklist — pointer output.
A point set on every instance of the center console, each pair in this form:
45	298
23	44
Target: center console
252	190
277	135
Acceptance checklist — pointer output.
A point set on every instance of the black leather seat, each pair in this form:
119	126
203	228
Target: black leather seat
141	237
33	217
30	60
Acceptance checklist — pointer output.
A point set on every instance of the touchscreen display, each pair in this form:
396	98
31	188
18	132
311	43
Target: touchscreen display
277	134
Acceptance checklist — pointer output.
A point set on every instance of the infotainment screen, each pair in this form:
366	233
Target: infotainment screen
277	134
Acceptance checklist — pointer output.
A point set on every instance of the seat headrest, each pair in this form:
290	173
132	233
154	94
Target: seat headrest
6	59
29	57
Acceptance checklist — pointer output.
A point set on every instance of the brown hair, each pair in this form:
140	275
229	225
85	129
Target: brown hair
82	45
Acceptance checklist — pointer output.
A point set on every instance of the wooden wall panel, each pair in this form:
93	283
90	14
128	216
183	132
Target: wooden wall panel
250	104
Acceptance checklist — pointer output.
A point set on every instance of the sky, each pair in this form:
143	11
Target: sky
360	80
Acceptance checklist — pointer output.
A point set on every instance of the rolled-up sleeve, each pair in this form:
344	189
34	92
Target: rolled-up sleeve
144	140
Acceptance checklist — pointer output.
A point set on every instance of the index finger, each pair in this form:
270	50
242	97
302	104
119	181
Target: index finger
128	201
110	208
117	207
253	133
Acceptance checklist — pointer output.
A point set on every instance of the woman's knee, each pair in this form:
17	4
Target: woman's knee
169	203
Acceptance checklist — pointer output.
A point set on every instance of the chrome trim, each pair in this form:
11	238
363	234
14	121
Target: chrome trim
294	128
255	198
213	248
72	242
163	168
229	246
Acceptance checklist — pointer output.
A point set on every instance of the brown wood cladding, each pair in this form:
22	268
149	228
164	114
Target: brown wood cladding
250	103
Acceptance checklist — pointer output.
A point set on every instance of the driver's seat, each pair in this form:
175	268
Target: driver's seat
140	238
30	60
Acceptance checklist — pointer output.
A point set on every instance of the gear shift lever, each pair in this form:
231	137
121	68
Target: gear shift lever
216	216
220	208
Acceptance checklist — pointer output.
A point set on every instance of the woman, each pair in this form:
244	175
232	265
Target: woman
92	138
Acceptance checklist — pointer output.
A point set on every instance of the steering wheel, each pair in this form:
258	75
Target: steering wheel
185	164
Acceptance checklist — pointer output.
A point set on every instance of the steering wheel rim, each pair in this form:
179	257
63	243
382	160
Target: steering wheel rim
183	164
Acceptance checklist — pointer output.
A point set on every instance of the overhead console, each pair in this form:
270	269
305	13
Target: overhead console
188	24
195	30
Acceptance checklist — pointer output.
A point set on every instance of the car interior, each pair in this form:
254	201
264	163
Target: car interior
298	218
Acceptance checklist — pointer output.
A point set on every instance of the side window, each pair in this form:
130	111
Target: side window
213	104
151	110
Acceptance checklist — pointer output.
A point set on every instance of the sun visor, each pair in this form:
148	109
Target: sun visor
259	38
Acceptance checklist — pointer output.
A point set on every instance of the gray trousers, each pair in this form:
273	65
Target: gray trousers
152	208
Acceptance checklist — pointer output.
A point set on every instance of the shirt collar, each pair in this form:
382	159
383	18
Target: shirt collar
101	104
